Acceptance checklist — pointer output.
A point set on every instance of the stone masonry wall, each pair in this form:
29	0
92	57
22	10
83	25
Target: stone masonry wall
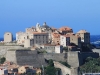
73	59
55	56
11	56
65	70
28	57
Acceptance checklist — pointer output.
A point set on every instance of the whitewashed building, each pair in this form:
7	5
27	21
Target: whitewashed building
64	40
3	71
8	37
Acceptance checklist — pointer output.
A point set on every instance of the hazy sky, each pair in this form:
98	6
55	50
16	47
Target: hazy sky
16	15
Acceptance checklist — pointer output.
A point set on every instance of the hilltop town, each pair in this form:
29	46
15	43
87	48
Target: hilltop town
38	45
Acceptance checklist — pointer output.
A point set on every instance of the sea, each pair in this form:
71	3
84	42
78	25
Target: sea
1	39
95	39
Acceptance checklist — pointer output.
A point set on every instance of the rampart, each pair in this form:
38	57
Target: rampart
4	49
65	70
28	57
75	59
55	56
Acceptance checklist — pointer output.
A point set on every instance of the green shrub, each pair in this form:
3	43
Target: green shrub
2	60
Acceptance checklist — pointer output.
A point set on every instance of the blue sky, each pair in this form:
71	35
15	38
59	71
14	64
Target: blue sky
16	15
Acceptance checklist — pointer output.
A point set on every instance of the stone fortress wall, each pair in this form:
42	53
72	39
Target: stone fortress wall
28	57
75	59
25	57
65	70
4	49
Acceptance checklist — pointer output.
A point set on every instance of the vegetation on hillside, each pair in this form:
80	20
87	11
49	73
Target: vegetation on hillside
86	48
91	65
43	51
2	60
65	49
66	64
50	69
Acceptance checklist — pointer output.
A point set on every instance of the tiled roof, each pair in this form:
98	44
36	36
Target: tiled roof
82	31
54	28
71	34
56	35
65	29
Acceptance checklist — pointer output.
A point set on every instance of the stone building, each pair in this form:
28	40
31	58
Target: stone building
74	39
70	39
58	49
28	43
65	30
21	38
45	28
30	30
49	48
52	48
40	38
72	48
18	34
65	40
34	38
56	38
8	37
85	36
3	71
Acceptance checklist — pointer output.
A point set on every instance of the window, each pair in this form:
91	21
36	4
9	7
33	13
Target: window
27	37
24	37
67	39
46	36
7	34
36	36
39	36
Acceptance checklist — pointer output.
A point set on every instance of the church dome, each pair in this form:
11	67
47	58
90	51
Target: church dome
45	25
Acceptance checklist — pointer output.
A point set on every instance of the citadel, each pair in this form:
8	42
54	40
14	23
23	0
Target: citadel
43	42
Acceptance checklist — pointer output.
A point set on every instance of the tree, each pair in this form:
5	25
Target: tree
51	62
65	49
91	65
50	69
2	60
66	64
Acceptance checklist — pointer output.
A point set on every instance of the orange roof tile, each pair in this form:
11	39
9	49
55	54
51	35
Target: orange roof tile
65	29
54	28
71	34
56	35
82	31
